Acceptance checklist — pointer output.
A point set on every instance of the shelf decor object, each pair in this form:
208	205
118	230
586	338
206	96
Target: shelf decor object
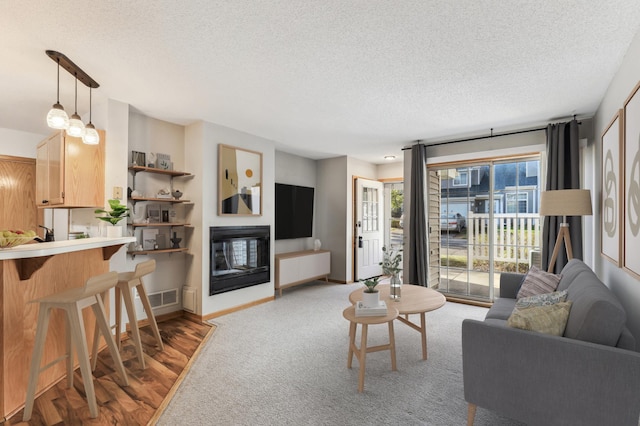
631	155
611	202
239	181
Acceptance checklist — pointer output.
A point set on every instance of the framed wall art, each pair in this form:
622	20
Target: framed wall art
239	181
611	206
631	153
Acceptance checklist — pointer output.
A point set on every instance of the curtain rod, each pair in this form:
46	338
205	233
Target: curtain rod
537	129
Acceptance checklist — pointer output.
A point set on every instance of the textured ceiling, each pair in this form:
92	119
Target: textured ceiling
321	78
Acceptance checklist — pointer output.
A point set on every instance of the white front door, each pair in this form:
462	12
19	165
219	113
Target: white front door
369	228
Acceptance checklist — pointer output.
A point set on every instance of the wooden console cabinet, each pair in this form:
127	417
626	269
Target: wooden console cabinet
300	267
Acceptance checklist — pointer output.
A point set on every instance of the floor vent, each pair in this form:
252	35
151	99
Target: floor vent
163	298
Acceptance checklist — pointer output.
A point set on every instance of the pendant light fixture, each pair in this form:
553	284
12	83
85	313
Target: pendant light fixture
57	118
76	126
91	136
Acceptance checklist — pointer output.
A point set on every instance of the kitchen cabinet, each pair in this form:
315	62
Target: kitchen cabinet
17	194
161	224
70	173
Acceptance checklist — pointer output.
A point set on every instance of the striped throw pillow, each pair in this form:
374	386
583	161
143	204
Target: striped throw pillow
538	281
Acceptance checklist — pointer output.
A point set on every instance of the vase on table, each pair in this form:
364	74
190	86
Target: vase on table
395	286
370	300
114	231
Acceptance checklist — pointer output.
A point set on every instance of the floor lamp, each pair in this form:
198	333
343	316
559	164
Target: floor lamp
564	202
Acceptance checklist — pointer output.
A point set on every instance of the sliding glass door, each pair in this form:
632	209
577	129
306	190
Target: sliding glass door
483	220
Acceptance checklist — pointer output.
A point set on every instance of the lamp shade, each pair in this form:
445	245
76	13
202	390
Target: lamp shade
566	202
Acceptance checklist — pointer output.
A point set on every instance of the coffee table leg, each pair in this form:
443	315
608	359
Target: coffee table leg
392	346
423	331
363	357
352	342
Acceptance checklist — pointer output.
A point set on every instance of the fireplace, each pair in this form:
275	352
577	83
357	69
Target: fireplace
239	257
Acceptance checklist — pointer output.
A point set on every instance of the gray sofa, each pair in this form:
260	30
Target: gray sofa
589	376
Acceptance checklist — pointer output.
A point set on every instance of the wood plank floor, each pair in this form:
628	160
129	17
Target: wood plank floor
149	390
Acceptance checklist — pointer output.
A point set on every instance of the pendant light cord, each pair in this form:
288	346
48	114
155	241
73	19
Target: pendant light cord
89	104
58	91
76	101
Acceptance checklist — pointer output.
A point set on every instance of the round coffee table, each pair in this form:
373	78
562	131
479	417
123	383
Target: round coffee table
414	299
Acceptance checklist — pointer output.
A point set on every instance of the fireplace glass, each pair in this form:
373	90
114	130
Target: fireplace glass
239	257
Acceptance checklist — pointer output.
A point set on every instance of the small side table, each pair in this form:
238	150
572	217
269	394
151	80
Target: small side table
361	353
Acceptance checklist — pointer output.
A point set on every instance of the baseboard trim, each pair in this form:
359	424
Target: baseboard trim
237	308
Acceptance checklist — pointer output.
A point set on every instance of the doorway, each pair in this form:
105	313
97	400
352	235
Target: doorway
369	229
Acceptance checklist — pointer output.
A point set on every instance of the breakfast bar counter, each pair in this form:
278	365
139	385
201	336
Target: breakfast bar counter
31	271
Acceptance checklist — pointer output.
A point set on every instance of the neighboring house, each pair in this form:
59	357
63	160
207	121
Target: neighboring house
515	189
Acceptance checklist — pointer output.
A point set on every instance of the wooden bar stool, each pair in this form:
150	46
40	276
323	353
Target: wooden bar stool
73	301
126	282
361	353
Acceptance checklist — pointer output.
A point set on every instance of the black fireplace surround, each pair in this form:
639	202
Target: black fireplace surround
239	257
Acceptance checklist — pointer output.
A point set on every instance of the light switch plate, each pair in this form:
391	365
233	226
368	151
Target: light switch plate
117	192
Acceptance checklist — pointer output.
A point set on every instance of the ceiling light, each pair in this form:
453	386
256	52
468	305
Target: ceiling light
76	126
389	157
91	136
57	118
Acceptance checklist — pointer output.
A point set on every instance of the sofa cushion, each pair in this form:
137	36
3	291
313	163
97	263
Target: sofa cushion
596	315
548	319
538	281
501	309
542	299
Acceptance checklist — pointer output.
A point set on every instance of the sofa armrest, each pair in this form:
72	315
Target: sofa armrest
510	284
542	379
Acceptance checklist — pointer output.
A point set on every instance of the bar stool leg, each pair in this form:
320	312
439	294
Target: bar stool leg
152	319
69	340
118	300
101	320
38	350
363	357
77	332
133	323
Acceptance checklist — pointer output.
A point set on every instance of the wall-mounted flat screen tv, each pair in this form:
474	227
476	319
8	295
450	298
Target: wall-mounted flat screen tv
294	211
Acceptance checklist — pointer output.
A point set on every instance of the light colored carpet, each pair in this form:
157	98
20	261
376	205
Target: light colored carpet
285	363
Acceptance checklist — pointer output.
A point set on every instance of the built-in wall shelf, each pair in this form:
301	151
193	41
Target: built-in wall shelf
173	173
163	200
169	250
158	224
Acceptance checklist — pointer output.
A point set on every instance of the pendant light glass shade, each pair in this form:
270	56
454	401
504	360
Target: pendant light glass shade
76	126
57	118
91	136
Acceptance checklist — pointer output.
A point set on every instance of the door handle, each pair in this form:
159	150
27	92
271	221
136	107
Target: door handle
360	242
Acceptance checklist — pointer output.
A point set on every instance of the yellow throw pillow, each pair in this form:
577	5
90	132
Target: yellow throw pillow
548	319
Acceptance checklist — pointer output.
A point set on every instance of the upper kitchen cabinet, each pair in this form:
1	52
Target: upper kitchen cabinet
70	173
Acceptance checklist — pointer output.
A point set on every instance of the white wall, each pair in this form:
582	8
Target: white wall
390	171
201	146
19	144
295	170
622	284
331	220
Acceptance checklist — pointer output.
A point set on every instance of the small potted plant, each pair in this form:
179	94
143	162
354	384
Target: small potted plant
391	260
116	214
370	295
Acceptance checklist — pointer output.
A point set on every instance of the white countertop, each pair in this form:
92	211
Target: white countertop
26	251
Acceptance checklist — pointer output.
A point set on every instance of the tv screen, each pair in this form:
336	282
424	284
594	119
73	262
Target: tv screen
294	211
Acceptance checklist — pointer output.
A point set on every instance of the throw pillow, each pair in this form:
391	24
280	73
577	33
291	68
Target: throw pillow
538	281
542	299
548	319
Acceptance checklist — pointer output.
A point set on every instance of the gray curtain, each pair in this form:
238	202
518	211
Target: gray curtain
418	254
563	172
